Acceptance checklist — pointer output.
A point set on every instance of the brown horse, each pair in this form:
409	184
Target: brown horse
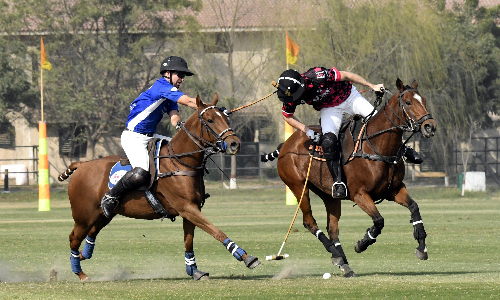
180	190
373	168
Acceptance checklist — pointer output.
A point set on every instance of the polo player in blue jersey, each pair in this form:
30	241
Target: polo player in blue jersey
146	112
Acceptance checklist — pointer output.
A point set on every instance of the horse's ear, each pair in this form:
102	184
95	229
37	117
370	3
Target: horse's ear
399	85
198	101
216	99
414	84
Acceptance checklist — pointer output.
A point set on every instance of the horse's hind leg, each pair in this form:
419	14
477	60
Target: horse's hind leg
191	268
332	243
76	238
365	202
402	197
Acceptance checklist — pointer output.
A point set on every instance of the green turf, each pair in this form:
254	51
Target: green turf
138	259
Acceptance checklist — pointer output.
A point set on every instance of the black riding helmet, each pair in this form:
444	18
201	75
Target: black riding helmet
291	86
175	63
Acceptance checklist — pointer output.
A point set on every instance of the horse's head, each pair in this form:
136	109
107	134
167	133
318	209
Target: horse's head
413	109
215	128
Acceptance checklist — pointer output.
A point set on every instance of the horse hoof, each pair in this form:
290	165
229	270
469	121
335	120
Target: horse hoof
251	262
422	255
350	275
199	275
357	248
83	277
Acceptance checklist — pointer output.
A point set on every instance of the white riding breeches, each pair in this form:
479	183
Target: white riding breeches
135	146
331	117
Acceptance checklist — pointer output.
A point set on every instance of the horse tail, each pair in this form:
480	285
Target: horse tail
271	156
69	171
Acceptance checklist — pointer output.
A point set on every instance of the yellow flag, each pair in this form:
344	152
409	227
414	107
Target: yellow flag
292	51
45	62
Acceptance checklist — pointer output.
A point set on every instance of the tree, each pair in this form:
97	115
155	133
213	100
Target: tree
16	92
104	54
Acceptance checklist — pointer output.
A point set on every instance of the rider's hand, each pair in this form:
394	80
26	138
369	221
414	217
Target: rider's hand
313	135
378	87
179	124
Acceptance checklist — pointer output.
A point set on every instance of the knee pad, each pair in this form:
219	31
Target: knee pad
330	145
136	177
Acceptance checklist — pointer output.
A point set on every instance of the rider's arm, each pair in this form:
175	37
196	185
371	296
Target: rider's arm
174	117
188	101
295	123
348	76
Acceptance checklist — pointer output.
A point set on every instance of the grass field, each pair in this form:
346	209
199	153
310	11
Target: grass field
138	259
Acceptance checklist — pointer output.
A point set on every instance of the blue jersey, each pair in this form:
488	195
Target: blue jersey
147	110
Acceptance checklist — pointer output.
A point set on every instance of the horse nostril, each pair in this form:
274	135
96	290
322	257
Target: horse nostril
428	128
235	146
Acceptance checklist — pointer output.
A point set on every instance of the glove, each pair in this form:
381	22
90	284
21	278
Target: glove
313	135
225	111
179	124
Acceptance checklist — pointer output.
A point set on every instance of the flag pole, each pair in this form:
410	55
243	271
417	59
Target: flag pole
43	160
290	198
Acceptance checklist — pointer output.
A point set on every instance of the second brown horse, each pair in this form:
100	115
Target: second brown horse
373	171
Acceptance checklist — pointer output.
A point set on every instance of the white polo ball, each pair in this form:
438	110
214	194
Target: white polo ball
327	276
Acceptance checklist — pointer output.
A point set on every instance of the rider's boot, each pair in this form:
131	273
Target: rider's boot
131	180
331	153
412	156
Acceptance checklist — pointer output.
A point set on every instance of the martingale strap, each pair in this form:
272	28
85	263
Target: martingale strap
157	207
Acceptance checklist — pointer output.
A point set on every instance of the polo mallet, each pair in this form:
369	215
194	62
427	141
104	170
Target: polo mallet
280	257
244	106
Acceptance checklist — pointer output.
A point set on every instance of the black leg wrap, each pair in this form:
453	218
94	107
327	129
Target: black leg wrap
369	239
338	257
338	246
323	239
419	231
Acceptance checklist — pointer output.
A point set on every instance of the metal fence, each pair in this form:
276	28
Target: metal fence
31	163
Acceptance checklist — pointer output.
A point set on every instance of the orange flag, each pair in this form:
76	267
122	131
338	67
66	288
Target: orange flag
45	62
292	51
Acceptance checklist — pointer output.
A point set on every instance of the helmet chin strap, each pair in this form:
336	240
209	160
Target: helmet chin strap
169	78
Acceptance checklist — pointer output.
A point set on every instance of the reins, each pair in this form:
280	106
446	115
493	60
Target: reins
213	147
410	124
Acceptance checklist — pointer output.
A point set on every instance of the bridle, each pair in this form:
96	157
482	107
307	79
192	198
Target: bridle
207	147
409	124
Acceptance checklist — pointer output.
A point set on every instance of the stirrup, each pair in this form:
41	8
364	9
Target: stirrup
341	184
108	204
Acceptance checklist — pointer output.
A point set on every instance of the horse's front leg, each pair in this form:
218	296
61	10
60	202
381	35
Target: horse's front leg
365	202
402	197
333	210
191	268
192	213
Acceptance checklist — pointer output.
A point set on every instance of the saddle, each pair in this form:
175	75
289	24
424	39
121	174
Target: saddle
353	124
154	146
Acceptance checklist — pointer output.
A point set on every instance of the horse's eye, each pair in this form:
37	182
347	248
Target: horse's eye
408	102
210	121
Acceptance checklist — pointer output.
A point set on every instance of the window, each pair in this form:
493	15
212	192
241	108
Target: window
7	134
72	141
